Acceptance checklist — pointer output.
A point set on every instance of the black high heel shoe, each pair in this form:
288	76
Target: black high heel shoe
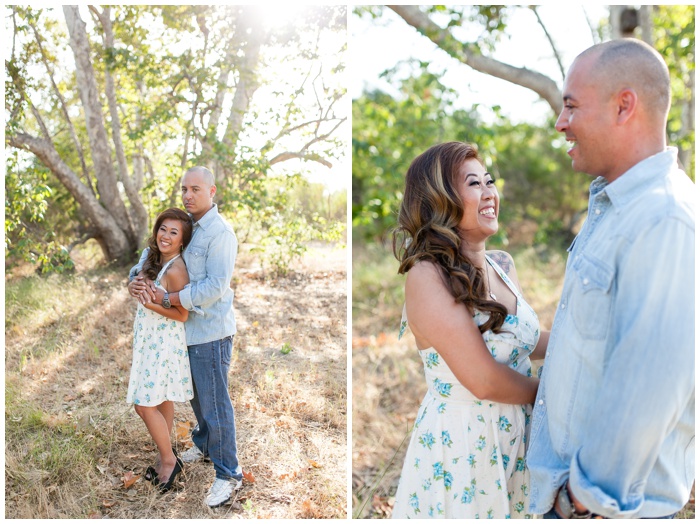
165	486
151	474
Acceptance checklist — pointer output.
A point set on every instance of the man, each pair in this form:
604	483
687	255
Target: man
613	428
210	327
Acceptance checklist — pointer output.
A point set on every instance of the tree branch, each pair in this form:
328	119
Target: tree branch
551	42
544	86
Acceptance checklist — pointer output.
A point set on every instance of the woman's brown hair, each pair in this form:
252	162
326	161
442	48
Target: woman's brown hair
152	265
428	228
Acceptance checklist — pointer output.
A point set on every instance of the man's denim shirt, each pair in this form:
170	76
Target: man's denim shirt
210	257
615	411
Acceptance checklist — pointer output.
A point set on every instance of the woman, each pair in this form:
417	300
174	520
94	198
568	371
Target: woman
475	333
160	369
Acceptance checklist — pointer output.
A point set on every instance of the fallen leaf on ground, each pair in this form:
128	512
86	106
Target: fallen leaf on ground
314	463
249	477
129	478
108	503
182	430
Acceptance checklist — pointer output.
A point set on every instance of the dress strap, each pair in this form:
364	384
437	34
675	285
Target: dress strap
504	277
166	266
404	322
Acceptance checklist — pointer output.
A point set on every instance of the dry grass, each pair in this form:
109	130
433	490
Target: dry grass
387	374
72	442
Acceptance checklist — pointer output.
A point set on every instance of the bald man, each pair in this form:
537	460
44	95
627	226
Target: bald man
613	427
210	327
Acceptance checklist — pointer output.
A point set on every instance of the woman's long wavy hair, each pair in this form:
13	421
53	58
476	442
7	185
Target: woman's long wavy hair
152	265
428	228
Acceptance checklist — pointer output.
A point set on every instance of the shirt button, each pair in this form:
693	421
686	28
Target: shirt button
585	281
597	211
547	354
563	306
541	402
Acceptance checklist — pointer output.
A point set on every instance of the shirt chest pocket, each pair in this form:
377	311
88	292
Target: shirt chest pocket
195	258
591	298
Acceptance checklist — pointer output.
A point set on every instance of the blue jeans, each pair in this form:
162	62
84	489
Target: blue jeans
215	434
551	514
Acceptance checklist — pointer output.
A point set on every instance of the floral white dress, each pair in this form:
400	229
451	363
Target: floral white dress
160	367
466	457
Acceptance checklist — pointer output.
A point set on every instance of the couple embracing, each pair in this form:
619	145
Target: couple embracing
612	431
183	335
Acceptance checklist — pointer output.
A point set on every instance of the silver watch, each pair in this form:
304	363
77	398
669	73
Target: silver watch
166	301
566	506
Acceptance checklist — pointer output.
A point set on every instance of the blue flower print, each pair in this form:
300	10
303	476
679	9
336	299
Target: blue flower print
456	460
525	489
431	511
416	464
481	443
427	440
472	460
498	485
506	460
427	483
480	418
443	388
519	507
432	360
520	464
438	471
402	330
469	493
440	509
447	479
446	440
413	502
489	514
441	408
494	456
504	424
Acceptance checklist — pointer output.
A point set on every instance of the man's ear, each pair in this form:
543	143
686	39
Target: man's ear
627	101
212	191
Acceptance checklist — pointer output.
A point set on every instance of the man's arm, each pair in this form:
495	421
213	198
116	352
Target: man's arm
219	264
649	376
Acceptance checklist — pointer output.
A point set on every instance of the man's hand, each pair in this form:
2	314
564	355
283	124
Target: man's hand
142	288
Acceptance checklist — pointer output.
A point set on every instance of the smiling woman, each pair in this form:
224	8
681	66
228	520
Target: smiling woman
471	429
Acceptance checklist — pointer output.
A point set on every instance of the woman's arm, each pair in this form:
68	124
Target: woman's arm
437	321
541	347
175	279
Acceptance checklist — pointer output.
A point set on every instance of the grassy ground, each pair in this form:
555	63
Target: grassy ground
75	449
387	374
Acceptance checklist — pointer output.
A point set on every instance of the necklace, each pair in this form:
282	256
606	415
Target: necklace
488	278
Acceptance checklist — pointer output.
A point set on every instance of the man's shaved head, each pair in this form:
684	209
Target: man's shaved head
207	175
629	63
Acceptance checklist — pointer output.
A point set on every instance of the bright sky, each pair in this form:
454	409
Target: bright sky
376	45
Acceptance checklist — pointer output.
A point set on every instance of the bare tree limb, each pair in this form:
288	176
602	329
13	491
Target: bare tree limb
64	108
551	42
544	86
139	220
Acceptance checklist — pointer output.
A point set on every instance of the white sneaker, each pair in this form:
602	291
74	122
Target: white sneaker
192	455
221	491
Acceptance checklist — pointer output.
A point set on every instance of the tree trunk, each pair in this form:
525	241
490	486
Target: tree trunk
139	216
115	244
97	134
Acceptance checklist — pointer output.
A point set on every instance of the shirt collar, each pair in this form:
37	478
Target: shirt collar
637	179
208	217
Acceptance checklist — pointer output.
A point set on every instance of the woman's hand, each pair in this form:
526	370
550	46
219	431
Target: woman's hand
141	286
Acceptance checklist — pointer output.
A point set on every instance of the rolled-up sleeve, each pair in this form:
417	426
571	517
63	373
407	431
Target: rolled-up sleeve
648	378
139	265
